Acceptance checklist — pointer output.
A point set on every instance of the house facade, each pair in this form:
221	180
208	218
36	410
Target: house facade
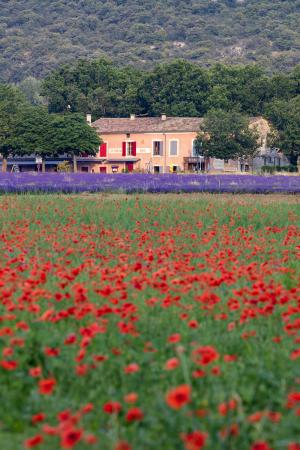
162	145
154	145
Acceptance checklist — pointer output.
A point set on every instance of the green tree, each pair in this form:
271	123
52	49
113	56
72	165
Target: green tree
226	135
70	134
178	89
97	87
11	104
31	88
32	134
285	118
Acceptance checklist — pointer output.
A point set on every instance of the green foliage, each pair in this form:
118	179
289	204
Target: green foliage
11	103
285	117
31	88
273	169
64	166
31	130
32	134
37	36
226	135
178	88
93	86
71	134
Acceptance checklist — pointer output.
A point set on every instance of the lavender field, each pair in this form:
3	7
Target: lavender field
84	182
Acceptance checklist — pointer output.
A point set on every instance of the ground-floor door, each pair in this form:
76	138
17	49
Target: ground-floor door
129	166
102	169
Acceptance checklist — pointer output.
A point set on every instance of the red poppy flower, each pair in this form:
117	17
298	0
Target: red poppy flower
134	414
70	438
174	338
122	445
131	397
132	368
205	355
195	440
261	445
39	417
9	365
112	407
172	363
46	386
35	371
34	441
178	397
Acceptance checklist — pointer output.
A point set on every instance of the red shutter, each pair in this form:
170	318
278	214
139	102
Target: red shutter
134	149
123	148
103	150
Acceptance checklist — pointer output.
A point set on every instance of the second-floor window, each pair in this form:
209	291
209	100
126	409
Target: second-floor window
157	148
130	149
174	148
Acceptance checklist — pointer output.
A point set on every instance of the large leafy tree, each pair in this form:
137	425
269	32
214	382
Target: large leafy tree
285	118
97	87
32	134
71	134
11	104
226	135
177	89
240	87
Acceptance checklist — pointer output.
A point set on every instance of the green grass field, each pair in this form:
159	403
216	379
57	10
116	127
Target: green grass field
147	322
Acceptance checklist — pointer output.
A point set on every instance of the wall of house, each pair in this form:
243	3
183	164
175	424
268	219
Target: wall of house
145	159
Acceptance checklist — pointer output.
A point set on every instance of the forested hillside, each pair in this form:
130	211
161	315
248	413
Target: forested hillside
38	35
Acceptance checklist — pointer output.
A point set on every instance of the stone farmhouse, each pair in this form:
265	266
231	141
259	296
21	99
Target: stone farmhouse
154	145
167	144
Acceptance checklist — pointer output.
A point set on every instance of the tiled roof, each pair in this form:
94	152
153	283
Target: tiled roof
147	125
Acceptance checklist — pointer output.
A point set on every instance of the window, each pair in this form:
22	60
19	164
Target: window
129	151
157	148
173	148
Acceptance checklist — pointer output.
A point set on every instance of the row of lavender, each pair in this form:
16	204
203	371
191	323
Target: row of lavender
84	182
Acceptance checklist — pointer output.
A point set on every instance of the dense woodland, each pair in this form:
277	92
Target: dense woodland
38	36
226	96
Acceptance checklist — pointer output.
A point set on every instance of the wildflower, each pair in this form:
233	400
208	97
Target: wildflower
46	386
261	445
39	417
70	437
172	363
134	414
131	397
112	407
34	441
205	355
132	368
122	445
178	397
195	440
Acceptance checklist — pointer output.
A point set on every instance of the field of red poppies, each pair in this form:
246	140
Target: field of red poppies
151	322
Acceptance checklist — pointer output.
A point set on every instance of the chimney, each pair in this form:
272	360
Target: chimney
89	119
164	117
132	116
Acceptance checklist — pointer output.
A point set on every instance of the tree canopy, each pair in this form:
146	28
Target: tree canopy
11	103
31	130
178	88
226	135
38	36
285	117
